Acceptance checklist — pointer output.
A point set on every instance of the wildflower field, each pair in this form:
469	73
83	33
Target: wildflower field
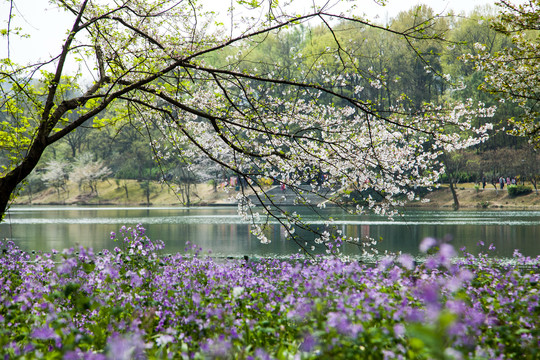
136	303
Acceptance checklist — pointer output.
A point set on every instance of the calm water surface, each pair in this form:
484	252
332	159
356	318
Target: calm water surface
222	231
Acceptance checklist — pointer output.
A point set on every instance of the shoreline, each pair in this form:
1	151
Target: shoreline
472	199
131	194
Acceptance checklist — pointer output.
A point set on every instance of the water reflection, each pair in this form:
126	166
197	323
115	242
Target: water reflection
221	230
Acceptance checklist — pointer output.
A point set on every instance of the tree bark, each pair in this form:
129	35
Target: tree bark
454	194
10	181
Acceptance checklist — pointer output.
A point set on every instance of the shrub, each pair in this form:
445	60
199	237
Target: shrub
518	190
265	181
483	204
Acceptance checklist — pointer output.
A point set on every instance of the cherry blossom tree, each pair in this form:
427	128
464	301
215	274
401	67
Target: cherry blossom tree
513	74
87	172
56	175
171	65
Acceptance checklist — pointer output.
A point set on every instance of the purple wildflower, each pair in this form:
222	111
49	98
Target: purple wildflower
427	244
445	255
341	322
261	354
128	347
399	330
79	354
407	261
217	348
429	293
309	343
196	297
385	263
302	308
44	333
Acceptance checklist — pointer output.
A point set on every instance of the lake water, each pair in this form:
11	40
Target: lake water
222	231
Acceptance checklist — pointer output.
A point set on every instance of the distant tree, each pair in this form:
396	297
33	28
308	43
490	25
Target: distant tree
87	172
494	164
34	183
123	183
454	163
417	64
184	178
56	175
135	161
527	162
146	186
206	170
77	138
380	66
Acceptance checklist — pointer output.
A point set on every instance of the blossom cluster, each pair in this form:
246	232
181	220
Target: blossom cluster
135	302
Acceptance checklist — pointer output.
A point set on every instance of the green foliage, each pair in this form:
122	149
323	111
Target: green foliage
517	190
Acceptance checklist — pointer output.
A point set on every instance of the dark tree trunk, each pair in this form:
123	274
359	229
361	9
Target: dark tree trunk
7	187
454	194
10	181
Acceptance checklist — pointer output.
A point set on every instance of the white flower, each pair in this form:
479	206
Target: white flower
479	46
163	340
237	291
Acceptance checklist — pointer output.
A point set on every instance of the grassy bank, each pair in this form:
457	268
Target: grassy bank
471	198
127	192
132	192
